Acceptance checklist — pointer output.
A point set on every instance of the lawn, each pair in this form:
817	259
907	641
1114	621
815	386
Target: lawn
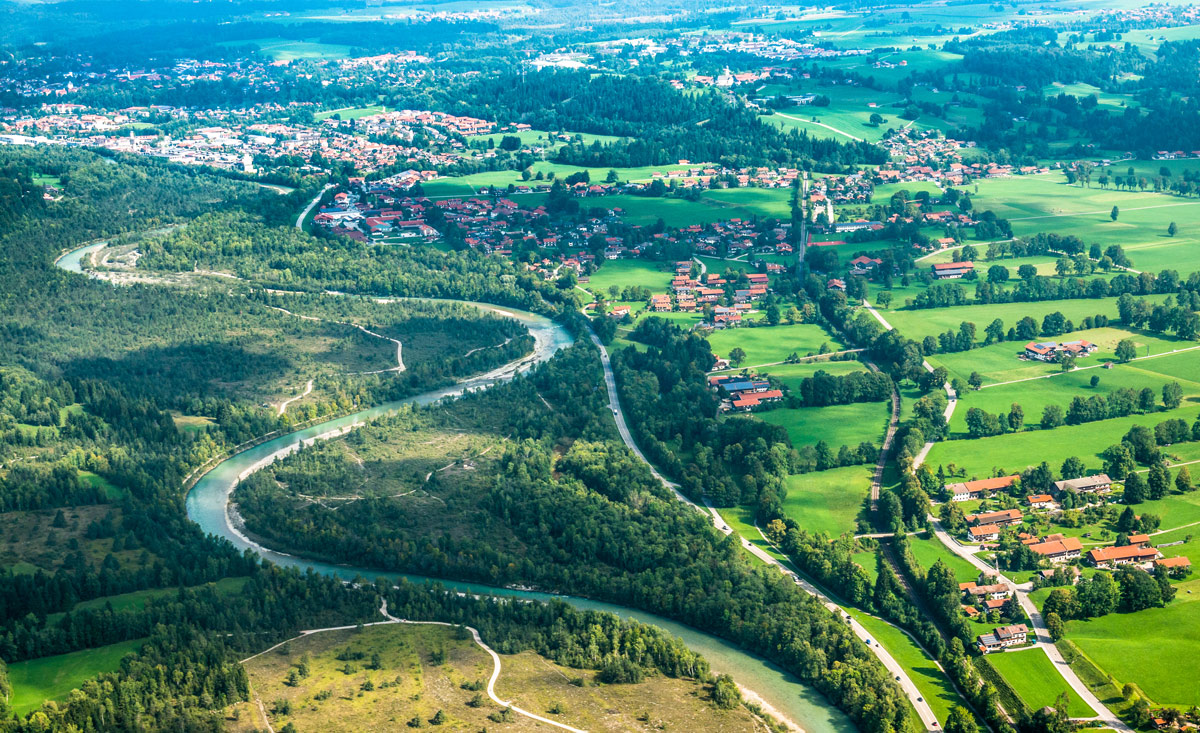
1033	676
768	344
837	425
828	501
792	374
626	273
1015	451
52	678
111	490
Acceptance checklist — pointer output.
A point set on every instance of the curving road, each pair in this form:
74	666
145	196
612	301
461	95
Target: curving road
1044	642
928	719
312	205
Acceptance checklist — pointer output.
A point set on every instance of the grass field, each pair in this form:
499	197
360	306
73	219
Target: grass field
626	273
919	323
1031	673
792	374
1135	647
412	684
1015	451
837	425
828	501
933	684
287	49
350	113
51	678
928	549
773	343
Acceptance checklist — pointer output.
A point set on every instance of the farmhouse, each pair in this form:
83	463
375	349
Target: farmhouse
985	533
952	270
979	489
993	592
1041	501
660	303
1058	549
1053	351
1111	557
1097	484
619	311
1003	637
1176	567
1002	518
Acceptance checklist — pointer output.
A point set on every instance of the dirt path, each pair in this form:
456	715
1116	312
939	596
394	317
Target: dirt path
307	391
390	619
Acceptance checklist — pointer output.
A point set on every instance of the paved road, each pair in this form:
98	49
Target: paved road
311	205
1044	642
889	662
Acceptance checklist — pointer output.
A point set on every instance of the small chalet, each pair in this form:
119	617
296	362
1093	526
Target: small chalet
985	533
1041	501
1111	557
1002	518
1058	549
1097	484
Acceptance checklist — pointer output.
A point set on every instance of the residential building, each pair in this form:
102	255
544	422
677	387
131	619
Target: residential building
979	489
1111	557
952	270
1001	518
1041	501
984	533
1096	484
1003	637
1058	549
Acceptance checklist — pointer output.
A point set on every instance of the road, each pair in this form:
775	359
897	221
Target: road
928	719
1044	642
1106	717
311	205
888	439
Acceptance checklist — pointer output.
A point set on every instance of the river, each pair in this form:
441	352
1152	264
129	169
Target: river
207	505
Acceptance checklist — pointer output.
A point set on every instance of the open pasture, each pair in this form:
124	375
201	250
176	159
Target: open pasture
769	344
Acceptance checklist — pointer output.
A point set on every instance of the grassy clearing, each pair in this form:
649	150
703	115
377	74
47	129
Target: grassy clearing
52	678
828	501
792	374
837	425
418	686
287	49
773	343
350	113
1033	676
111	490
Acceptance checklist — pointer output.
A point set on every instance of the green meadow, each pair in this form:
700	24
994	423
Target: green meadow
52	678
768	344
1033	676
1016	451
631	273
837	425
828	501
927	550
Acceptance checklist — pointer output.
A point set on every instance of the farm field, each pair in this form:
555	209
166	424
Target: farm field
423	670
1046	203
917	323
286	49
1035	395
1015	451
1033	676
1132	647
764	345
828	501
837	425
792	374
351	113
52	678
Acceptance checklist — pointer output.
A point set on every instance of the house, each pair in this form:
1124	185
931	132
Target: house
997	591
749	400
1002	518
1071	571
952	270
984	533
1176	567
1058	549
1003	637
836	284
1053	351
862	265
1139	540
660	303
1099	483
979	489
619	311
1041	501
1111	557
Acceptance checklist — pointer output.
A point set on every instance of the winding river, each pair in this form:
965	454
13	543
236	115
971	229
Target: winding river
208	506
